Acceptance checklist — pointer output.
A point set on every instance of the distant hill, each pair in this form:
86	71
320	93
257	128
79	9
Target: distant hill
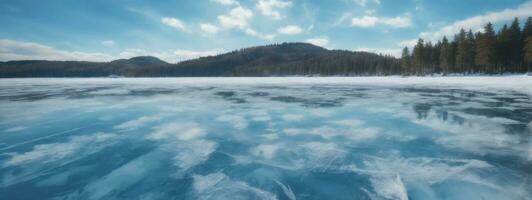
140	61
287	59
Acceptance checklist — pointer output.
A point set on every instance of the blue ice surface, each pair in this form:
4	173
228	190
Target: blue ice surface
87	140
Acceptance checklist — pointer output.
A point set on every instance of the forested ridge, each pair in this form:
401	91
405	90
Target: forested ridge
508	50
286	59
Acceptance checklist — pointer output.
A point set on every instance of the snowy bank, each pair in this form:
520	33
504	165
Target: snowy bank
518	83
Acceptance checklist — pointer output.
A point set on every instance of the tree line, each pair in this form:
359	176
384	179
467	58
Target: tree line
508	50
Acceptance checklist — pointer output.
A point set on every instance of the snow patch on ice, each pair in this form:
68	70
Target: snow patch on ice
15	129
354	133
238	122
293	117
349	122
181	131
56	151
220	186
137	123
389	187
192	153
123	177
45	156
390	177
112	91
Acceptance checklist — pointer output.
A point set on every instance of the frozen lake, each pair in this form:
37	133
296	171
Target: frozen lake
266	138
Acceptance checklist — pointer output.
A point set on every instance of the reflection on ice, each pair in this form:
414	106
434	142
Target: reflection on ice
295	139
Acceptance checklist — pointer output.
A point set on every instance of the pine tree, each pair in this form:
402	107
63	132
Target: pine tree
462	54
528	53
417	57
515	46
427	62
405	61
527	29
470	52
503	44
435	57
485	54
453	51
444	61
527	41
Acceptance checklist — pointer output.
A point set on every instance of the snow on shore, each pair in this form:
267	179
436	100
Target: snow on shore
519	83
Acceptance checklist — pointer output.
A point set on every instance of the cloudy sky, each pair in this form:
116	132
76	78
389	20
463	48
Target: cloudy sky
174	30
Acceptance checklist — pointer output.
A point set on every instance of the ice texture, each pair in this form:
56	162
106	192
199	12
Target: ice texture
266	138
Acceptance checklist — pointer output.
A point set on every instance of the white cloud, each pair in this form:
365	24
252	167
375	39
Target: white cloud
169	55
18	50
364	3
477	22
397	22
369	12
238	18
269	7
384	51
290	30
175	23
108	43
254	33
227	2
408	43
188	54
319	41
344	17
366	21
209	28
371	21
128	53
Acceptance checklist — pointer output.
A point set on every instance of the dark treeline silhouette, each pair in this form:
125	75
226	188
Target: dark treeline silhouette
286	59
508	50
490	52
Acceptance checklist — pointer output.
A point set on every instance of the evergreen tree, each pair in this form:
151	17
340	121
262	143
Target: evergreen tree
452	55
470	52
435	57
515	46
444	61
405	61
527	41
503	54
485	54
462	54
427	66
527	29
418	57
528	53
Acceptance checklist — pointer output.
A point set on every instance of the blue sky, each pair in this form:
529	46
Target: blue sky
174	30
